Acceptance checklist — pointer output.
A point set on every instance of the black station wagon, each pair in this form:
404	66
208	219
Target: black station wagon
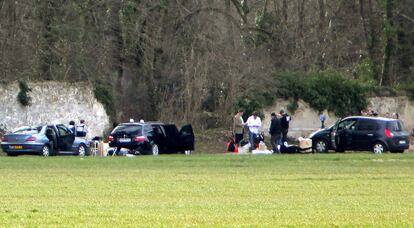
152	138
362	133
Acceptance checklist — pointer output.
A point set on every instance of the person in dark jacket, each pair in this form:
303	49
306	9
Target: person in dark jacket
72	127
284	121
275	132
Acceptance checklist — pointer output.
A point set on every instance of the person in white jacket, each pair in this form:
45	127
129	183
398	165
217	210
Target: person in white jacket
254	123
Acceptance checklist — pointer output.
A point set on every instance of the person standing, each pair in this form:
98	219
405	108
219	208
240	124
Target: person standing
284	122
254	123
238	125
322	118
275	131
72	127
81	129
396	115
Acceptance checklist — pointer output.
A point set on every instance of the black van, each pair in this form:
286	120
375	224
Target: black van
362	133
152	138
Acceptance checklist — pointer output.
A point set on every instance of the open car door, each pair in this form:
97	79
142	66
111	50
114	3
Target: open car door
342	134
186	138
334	136
66	137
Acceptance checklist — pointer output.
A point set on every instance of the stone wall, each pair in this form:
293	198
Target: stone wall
306	120
52	102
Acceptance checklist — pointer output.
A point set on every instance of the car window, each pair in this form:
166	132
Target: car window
28	130
186	130
50	132
346	124
395	125
148	130
368	125
63	131
158	130
171	130
128	130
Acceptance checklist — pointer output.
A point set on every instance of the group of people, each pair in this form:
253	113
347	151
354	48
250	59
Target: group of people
79	130
394	115
278	128
369	112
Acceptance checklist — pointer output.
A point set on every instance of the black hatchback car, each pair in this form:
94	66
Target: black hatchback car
362	133
152	138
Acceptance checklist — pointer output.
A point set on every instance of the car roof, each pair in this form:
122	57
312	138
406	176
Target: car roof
370	118
138	123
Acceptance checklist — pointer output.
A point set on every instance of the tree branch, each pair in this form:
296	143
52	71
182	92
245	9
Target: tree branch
405	16
229	17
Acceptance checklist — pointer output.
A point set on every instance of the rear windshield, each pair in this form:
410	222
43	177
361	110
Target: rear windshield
395	125
28	130
128	130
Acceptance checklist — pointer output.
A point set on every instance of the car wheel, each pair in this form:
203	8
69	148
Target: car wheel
188	152
320	146
82	150
11	154
154	150
45	151
378	148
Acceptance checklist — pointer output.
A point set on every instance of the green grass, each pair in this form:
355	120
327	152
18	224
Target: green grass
208	190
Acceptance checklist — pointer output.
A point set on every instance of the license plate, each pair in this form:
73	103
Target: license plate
124	140
16	147
402	142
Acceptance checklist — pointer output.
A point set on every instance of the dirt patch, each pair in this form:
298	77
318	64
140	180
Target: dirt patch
212	141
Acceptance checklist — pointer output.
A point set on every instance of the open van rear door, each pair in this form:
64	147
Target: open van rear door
187	138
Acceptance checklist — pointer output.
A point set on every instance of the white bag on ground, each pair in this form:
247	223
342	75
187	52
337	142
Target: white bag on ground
261	152
305	144
262	149
244	149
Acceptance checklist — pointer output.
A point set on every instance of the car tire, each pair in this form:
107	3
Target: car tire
82	150
154	150
379	148
45	152
11	154
320	146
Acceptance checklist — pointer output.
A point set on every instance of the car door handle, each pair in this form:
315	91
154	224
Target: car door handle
370	134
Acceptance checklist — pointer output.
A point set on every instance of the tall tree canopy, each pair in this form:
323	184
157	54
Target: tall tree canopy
183	60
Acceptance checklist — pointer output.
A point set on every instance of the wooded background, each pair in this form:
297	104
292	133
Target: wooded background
191	60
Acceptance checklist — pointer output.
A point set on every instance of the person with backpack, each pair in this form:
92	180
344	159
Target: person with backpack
275	131
284	122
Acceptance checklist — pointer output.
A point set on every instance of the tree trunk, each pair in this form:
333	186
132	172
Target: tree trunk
47	56
118	43
300	32
285	11
321	34
389	45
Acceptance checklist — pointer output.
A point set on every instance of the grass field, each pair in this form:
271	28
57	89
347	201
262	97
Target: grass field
208	190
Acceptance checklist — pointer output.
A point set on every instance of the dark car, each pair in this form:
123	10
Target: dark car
152	138
45	140
362	133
